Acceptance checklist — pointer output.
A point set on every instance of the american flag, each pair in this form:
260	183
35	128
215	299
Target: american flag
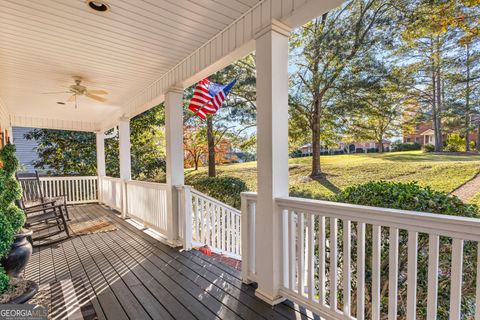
209	96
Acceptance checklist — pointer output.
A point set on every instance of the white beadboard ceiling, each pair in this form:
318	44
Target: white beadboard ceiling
43	43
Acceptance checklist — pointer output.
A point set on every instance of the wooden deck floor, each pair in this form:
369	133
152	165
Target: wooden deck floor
130	275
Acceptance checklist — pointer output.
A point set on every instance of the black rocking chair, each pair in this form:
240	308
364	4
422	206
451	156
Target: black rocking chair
33	194
45	216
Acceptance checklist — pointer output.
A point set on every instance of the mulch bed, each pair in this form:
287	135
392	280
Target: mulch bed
17	288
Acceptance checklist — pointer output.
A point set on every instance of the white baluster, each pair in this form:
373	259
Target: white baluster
301	253
456	279
292	247
333	263
321	259
347	280
376	255
412	275
433	253
393	274
311	256
361	271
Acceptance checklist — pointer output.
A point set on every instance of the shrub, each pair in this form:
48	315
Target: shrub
359	150
4	281
225	189
411	196
406	146
372	150
428	147
12	218
455	143
406	196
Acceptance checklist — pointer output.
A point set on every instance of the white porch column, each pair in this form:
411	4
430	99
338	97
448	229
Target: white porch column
124	142
175	155
101	171
272	153
125	160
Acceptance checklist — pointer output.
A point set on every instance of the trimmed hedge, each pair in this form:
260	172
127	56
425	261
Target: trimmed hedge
225	189
406	196
428	147
406	146
411	196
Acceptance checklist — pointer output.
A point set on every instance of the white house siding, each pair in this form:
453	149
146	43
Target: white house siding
26	153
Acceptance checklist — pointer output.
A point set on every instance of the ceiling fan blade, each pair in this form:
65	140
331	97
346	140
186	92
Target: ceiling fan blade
55	92
72	98
94	97
97	91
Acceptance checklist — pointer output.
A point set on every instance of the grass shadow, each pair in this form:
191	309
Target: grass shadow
430	157
323	180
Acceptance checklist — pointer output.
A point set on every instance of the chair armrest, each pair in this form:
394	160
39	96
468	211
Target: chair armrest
43	204
45	209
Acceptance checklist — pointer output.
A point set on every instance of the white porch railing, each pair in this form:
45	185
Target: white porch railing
332	252
147	203
112	192
81	189
214	223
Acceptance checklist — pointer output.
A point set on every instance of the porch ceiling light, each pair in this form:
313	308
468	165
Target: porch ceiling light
98	5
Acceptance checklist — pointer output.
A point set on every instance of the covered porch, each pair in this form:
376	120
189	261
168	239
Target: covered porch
128	274
312	253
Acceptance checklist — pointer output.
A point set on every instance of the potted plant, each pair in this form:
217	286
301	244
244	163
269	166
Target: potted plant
15	249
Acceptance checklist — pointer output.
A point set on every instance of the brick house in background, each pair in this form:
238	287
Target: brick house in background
424	134
348	147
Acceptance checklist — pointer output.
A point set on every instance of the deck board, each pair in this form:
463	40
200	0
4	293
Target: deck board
130	275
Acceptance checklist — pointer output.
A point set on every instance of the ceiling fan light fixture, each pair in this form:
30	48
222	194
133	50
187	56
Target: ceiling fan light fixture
98	5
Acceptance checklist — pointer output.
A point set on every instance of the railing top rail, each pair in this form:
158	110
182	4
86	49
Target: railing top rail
203	195
149	184
445	225
249	195
111	178
67	178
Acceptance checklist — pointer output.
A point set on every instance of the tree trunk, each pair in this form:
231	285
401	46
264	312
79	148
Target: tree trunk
211	148
438	132
478	137
434	109
316	169
467	132
467	103
380	146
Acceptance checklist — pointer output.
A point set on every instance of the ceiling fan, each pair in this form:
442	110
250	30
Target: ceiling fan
78	90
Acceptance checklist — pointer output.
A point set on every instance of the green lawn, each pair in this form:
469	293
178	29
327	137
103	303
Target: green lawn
441	172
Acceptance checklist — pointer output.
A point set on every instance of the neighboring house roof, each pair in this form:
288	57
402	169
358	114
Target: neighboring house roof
427	132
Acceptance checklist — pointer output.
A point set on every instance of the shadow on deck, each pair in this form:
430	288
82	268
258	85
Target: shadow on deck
126	274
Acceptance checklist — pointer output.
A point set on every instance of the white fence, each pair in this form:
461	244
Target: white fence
215	224
147	203
112	192
76	189
333	252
